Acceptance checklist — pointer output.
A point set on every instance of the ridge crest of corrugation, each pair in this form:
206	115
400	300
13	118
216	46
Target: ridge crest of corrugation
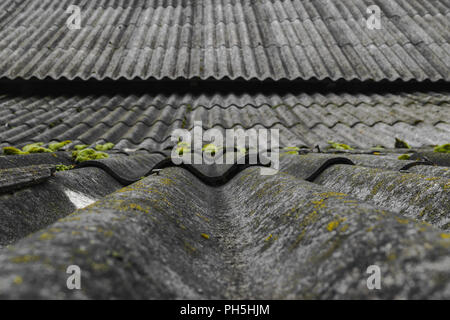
233	41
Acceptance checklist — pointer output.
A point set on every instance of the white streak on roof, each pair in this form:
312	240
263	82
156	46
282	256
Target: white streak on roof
78	199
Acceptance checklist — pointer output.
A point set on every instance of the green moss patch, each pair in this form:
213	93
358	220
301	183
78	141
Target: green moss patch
81	146
62	167
29	148
58	145
104	147
404	157
88	154
339	146
445	148
13	151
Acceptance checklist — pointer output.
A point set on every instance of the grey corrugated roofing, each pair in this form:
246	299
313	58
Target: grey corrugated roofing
268	39
146	121
271	237
25	210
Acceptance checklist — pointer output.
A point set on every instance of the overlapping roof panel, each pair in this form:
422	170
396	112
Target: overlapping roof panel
271	237
147	121
268	39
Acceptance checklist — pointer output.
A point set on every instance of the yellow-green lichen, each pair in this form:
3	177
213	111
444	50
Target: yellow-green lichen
46	236
25	259
18	280
335	223
204	235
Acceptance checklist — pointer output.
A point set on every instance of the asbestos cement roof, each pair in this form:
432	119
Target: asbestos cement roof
268	39
147	121
140	226
254	236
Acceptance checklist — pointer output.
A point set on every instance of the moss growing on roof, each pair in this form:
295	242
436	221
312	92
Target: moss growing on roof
339	146
58	145
30	148
81	146
404	157
104	147
401	144
445	148
13	151
88	154
35	148
62	167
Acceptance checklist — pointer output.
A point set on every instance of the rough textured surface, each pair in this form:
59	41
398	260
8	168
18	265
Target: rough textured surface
17	178
31	209
146	121
309	231
17	161
264	39
146	240
413	195
126	169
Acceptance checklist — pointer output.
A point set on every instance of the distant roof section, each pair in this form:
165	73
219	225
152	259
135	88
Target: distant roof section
266	39
146	121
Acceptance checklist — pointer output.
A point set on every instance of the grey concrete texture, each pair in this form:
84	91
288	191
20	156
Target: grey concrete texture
257	237
30	209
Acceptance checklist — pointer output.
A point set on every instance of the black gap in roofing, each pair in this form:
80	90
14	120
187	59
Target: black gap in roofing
80	87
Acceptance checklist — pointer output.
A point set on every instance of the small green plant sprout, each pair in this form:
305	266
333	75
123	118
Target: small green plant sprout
445	148
58	145
183	147
404	157
400	144
61	167
339	146
12	151
81	146
104	147
88	154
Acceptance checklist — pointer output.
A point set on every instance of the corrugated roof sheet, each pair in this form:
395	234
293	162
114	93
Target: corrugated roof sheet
268	39
271	237
147	121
